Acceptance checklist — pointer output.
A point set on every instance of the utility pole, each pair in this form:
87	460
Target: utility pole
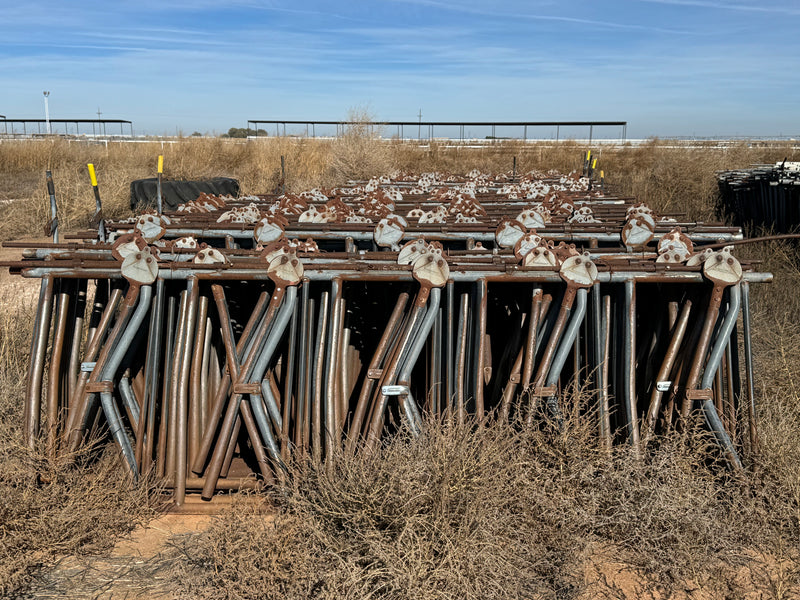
419	129
46	111
98	113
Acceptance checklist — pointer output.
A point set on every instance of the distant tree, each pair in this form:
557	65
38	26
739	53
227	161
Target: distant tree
197	134
241	132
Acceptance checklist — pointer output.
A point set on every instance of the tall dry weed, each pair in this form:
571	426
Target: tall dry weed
496	512
360	152
461	512
52	507
668	176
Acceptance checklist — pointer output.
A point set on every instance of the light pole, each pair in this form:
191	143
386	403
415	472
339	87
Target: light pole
46	112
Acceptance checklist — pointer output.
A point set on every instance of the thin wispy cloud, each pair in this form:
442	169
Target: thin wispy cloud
472	10
210	64
766	7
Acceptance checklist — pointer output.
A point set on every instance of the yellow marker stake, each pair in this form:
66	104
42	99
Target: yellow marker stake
160	163
92	175
602	174
594	163
588	154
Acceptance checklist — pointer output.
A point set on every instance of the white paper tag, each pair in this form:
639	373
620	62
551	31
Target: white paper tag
88	367
663	386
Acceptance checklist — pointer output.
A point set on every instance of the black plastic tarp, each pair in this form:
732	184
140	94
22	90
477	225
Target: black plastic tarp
174	193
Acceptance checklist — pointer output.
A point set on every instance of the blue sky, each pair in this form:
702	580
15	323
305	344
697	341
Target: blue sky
668	67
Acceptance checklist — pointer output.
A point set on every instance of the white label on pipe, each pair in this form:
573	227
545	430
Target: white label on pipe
663	386
88	367
393	390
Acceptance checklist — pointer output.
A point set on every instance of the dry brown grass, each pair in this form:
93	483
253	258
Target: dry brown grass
496	512
52	507
669	178
463	513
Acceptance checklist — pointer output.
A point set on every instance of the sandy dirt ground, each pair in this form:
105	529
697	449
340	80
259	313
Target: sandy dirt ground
139	567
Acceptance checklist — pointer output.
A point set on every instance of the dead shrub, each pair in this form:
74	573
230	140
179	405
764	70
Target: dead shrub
494	512
56	508
359	153
53	507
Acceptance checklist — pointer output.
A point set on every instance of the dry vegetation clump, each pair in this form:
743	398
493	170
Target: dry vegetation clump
52	507
359	153
669	177
776	339
462	512
676	179
499	512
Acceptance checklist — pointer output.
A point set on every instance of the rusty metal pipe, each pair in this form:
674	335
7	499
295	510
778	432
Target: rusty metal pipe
605	424
174	379
712	365
343	382
289	403
264	465
74	367
233	442
161	461
629	365
701	347
390	373
555	336
232	357
38	351
662	379
511	386
205	384
302	343
196	398
461	356
146	430
181	471
448	347
309	386
533	327
480	334
434	351
596	346
128	397
318	374
564	348
377	359
257	376
245	371
748	370
331	369
393	356
87	400
406	398
54	373
115	425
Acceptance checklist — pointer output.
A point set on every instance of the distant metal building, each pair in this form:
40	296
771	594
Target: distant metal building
11	127
428	127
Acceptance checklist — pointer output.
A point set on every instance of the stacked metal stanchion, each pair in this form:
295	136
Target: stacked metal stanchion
219	343
763	196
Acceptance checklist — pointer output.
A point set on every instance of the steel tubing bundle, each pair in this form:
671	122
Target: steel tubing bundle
220	362
767	196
